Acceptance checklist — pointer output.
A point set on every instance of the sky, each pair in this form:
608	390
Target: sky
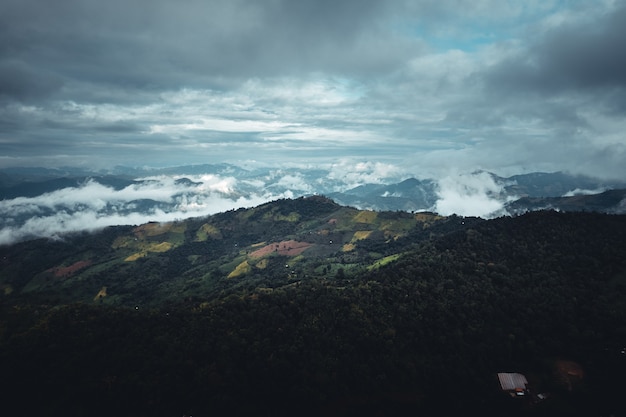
429	87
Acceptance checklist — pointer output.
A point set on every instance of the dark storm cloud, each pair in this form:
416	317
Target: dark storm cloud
20	82
82	77
558	78
577	55
554	97
119	127
165	45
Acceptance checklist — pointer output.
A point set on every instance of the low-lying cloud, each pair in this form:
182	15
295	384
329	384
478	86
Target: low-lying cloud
93	206
185	192
581	191
476	194
162	198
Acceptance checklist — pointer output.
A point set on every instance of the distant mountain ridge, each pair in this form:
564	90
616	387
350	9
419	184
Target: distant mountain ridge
610	202
420	193
46	202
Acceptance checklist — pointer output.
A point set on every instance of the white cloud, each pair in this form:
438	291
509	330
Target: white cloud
94	206
580	191
350	173
469	195
295	182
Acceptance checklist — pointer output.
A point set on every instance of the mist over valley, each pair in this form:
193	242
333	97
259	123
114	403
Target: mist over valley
39	202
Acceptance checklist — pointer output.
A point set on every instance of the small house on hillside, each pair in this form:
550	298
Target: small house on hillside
513	383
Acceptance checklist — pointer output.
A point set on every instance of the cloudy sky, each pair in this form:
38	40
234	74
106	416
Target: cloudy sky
425	85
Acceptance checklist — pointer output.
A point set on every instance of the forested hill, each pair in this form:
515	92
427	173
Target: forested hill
303	307
271	245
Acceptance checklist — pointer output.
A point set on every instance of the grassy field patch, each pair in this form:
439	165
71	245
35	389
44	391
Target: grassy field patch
286	247
348	247
135	256
241	269
150	247
207	231
384	261
365	216
361	235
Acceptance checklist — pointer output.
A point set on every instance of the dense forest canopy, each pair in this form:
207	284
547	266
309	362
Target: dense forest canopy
378	313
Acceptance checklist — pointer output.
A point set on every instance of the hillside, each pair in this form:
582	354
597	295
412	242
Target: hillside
305	307
273	244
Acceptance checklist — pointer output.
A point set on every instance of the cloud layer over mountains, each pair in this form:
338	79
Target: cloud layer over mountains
93	206
33	208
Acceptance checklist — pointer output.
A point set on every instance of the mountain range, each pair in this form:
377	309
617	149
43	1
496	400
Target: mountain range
44	202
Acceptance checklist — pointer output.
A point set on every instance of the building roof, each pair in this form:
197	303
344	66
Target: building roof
512	381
